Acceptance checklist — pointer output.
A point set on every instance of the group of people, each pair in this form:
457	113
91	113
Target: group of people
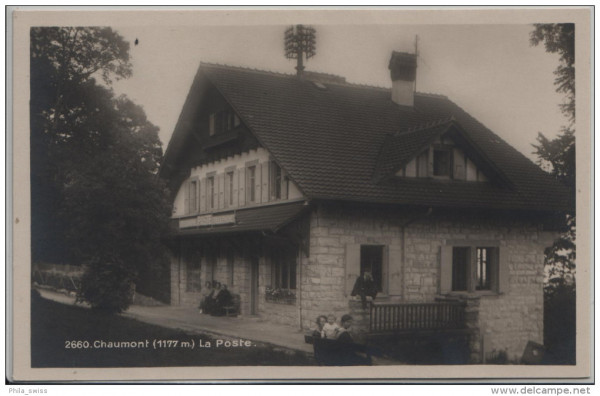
334	345
327	328
215	298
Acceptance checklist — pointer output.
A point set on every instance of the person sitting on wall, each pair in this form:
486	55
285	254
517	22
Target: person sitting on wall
222	299
204	300
364	287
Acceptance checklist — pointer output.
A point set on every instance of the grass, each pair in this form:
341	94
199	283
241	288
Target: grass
54	324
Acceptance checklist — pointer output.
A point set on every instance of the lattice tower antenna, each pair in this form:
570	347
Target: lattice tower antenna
300	41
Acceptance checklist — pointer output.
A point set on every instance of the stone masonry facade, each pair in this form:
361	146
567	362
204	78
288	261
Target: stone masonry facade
507	320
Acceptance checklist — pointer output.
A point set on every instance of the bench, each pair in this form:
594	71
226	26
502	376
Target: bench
234	308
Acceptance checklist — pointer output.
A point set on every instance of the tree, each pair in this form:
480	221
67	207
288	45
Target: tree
558	155
64	62
96	161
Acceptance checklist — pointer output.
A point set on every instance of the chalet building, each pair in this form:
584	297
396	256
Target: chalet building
288	187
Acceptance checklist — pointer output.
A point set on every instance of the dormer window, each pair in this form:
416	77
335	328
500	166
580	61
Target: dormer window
222	121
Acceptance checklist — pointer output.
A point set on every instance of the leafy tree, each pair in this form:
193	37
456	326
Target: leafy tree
98	200
558	155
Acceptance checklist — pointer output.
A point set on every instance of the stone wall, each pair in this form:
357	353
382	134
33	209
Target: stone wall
508	320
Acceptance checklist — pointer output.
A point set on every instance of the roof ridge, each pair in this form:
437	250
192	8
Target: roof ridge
246	68
281	74
426	125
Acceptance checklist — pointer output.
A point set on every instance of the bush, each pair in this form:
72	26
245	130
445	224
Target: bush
107	284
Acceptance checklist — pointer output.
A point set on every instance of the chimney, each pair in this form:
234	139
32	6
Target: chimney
403	70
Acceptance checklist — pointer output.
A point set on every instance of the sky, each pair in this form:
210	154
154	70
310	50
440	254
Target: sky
491	71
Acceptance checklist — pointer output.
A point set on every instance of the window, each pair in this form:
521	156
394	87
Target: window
442	162
193	265
283	277
371	260
475	268
222	121
211	192
193	199
275	181
230	188
251	183
483	264
460	268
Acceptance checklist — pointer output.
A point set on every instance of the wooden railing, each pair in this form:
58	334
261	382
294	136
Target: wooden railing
391	318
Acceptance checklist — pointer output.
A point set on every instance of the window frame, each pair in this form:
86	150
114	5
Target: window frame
448	149
382	285
210	192
496	275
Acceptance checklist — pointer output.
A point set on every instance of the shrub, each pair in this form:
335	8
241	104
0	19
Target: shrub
107	284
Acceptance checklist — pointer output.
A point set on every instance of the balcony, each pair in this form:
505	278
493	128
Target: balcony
389	318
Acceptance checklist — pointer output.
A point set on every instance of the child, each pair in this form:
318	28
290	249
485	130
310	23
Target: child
331	329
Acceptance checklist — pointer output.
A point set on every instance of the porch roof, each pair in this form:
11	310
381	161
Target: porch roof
265	218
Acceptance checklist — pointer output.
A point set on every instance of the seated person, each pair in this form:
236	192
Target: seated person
207	293
331	328
222	299
319	331
350	354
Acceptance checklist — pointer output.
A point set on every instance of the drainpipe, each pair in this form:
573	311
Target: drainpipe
403	246
299	289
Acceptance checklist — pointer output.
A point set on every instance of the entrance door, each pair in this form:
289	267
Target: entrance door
254	286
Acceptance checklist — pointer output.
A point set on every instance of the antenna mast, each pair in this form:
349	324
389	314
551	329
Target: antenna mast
416	58
300	41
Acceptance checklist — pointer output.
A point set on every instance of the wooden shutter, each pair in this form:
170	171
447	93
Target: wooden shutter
242	187
352	266
395	270
226	188
221	189
186	197
235	187
446	269
503	271
202	195
459	165
265	182
257	184
284	184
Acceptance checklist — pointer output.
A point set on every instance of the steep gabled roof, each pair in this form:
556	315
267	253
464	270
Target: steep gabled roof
330	140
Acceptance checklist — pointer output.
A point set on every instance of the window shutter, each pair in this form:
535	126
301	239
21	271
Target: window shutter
265	182
235	187
446	270
221	196
284	184
352	266
242	186
226	190
271	180
202	207
186	197
503	271
395	270
459	165
257	184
